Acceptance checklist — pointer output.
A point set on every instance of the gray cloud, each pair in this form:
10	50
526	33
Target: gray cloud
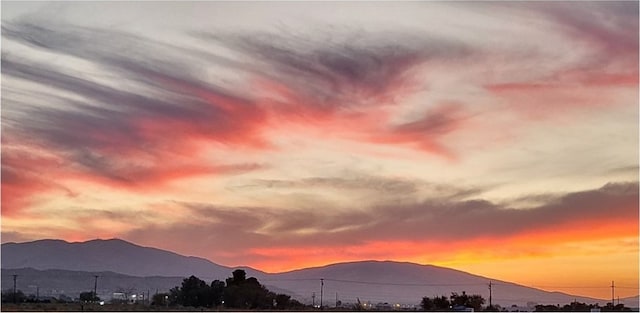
613	26
434	219
376	188
126	135
333	73
121	135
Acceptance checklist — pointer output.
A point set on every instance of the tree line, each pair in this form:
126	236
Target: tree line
236	292
242	293
460	302
455	302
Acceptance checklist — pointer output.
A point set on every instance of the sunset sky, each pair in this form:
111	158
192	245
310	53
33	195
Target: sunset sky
499	138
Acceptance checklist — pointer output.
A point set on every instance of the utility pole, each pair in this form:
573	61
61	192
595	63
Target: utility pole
613	287
336	299
95	288
313	299
321	291
15	296
490	294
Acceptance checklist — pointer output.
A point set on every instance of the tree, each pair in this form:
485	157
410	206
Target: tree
195	292
282	301
238	277
473	301
239	292
547	308
217	292
577	307
160	299
88	296
246	293
174	296
9	296
435	304
441	303
427	304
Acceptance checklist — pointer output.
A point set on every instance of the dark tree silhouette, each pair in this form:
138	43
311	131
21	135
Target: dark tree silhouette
217	292
427	304
246	293
441	303
239	292
435	304
9	296
160	299
195	292
282	301
473	301
88	296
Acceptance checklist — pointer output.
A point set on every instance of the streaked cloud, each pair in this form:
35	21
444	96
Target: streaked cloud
337	133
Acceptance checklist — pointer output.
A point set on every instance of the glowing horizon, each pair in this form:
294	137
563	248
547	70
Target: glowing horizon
478	136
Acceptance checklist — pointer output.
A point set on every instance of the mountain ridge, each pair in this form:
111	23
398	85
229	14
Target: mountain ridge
115	254
369	280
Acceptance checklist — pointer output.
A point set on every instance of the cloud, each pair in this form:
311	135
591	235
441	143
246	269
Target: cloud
350	85
332	72
12	236
24	173
159	115
374	189
426	132
125	137
430	222
610	27
598	70
144	135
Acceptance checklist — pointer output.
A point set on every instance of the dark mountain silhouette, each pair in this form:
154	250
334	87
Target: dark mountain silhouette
402	282
113	255
59	264
53	283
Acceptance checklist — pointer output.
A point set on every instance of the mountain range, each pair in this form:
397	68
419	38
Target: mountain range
54	267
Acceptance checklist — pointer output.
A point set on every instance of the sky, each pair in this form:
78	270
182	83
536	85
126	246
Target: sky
498	138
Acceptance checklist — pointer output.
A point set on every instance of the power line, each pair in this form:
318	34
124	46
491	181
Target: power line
573	287
398	284
362	282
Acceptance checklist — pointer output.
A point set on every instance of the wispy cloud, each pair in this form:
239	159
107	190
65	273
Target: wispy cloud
394	127
430	221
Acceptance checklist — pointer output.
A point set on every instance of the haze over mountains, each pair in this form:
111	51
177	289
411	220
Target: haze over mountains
55	265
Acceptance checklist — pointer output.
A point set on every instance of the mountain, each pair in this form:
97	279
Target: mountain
54	283
631	302
113	255
406	283
121	264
